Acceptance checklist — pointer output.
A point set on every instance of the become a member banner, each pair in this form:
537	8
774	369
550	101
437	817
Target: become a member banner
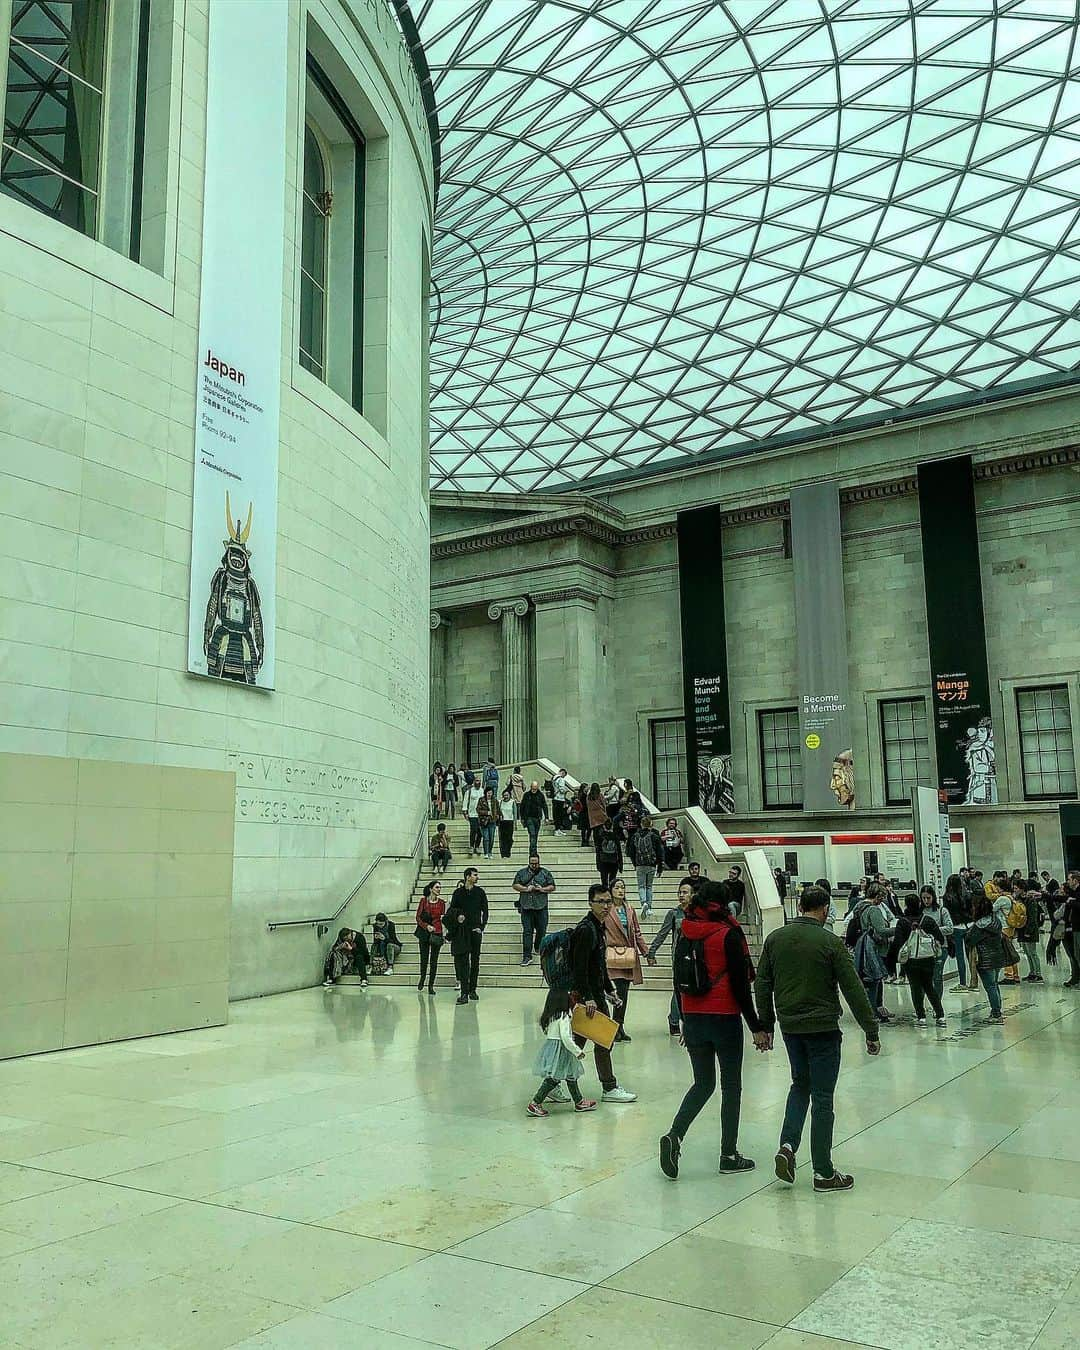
956	632
234	500
704	658
821	635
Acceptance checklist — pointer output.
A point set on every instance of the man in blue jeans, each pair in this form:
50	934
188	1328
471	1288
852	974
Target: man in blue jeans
804	968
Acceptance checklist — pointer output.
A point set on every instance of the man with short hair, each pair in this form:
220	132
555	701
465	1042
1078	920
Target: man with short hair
694	875
532	811
465	922
533	885
593	986
646	853
804	967
736	889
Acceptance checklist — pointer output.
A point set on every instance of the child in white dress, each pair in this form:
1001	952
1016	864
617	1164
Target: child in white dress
559	1058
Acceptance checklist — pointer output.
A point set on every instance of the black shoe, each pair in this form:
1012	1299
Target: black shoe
673	1031
735	1163
785	1164
420	986
1071	984
622	1036
463	999
474	996
669	1155
839	1181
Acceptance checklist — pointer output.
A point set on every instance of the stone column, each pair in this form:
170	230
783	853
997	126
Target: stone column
437	734
515	677
573	728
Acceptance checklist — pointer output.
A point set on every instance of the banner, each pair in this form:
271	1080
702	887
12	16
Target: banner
821	641
238	376
960	684
933	847
704	661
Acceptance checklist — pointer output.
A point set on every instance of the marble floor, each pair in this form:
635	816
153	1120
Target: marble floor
355	1168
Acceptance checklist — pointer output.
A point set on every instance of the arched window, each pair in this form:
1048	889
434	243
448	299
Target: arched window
313	256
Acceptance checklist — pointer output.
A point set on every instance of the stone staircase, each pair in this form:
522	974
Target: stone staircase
574	870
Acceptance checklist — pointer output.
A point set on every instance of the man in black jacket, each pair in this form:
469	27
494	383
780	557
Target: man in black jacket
465	922
532	811
593	987
647	854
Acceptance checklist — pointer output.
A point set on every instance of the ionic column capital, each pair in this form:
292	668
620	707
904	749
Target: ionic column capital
518	606
439	620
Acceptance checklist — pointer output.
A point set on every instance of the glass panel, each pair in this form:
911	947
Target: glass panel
53	109
1047	760
313	257
905	748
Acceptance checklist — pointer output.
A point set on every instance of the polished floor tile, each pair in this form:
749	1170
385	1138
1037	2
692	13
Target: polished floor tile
339	1170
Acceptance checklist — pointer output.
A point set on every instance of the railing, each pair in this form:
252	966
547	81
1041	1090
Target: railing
331	919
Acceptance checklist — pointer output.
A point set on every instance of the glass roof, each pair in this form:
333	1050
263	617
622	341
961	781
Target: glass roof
670	228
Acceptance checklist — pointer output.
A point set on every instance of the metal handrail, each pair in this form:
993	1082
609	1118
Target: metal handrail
333	918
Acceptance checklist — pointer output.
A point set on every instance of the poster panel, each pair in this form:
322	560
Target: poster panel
956	633
821	633
231	616
704	661
933	849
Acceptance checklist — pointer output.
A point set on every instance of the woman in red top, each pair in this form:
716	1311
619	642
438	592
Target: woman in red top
712	1027
429	932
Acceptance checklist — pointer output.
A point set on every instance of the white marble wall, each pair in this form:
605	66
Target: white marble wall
97	380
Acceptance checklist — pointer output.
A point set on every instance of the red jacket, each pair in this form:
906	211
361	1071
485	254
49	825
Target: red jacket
430	911
727	959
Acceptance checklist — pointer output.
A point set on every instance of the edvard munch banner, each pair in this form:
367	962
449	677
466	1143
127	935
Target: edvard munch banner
821	635
234	498
956	631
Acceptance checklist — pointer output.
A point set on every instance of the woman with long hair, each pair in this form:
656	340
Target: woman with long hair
429	933
915	948
712	1026
595	813
625	948
956	900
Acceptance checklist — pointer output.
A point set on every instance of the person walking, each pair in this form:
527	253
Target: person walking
592	986
561	792
712	1026
646	853
1029	935
489	776
934	909
430	933
517	789
804	967
451	788
1070	937
559	1059
986	952
609	857
625	948
437	788
506	810
870	934
466	920
672	927
470	802
956	899
915	950
487	813
533	885
595	813
533	812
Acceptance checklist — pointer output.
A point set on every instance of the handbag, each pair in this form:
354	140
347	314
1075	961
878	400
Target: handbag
620	958
1012	956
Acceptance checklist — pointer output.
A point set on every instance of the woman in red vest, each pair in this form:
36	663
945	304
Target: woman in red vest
712	1026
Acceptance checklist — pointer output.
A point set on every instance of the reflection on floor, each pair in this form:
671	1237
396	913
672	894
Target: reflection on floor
338	1169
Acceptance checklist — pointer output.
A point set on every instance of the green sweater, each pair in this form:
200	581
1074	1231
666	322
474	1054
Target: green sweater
803	968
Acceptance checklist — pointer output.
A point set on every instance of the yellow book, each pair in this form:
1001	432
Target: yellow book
599	1028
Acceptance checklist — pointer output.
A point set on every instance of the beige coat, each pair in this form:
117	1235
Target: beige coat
517	787
615	935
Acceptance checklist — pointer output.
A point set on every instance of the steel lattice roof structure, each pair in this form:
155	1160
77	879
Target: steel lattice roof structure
670	229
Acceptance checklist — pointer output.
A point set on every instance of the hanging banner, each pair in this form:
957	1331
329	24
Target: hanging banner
960	683
821	640
238	376
704	661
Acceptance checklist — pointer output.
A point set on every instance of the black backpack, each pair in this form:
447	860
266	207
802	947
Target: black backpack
690	973
609	844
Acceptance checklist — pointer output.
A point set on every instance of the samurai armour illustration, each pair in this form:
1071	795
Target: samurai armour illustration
233	630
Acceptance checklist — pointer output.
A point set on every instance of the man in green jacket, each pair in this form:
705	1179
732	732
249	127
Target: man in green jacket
804	967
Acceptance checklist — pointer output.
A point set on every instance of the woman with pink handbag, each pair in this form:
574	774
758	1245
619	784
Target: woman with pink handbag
625	948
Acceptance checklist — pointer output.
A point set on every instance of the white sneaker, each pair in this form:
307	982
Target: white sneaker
941	1021
619	1094
559	1095
389	970
363	984
920	1021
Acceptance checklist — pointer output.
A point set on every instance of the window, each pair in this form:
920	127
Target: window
331	339
669	762
75	117
479	745
53	112
781	758
905	747
1046	747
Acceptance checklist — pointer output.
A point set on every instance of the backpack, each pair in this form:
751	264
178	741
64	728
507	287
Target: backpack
491	777
644	849
556	962
856	927
868	963
609	845
1016	919
689	971
919	945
